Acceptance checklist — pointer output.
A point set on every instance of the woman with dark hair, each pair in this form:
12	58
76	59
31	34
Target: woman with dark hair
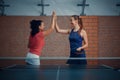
36	40
77	35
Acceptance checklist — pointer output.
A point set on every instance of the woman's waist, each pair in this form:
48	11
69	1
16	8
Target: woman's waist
75	45
35	51
74	50
32	55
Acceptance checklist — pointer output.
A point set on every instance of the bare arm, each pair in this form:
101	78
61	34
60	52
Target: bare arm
64	31
47	32
85	41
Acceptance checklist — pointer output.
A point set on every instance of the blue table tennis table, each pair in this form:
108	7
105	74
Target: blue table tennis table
59	72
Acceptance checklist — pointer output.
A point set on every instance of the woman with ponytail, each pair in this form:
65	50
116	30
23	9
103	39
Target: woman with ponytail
36	40
78	40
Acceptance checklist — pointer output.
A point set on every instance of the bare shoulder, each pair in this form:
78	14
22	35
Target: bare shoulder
83	31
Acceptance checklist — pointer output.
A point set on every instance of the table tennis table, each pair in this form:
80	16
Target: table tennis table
59	72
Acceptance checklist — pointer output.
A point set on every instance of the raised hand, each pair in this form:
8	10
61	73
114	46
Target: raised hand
53	14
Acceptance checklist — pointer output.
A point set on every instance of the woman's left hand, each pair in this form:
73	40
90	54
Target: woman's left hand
79	49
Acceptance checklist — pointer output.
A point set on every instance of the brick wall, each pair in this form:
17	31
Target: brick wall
109	39
109	36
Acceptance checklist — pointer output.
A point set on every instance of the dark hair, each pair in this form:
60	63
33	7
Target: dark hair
80	23
34	25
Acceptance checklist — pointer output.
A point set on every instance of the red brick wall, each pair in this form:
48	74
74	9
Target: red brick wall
109	39
109	36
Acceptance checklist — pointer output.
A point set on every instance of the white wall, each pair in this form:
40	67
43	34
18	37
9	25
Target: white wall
62	7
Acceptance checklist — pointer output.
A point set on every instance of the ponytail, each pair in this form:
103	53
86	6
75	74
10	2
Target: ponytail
80	23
